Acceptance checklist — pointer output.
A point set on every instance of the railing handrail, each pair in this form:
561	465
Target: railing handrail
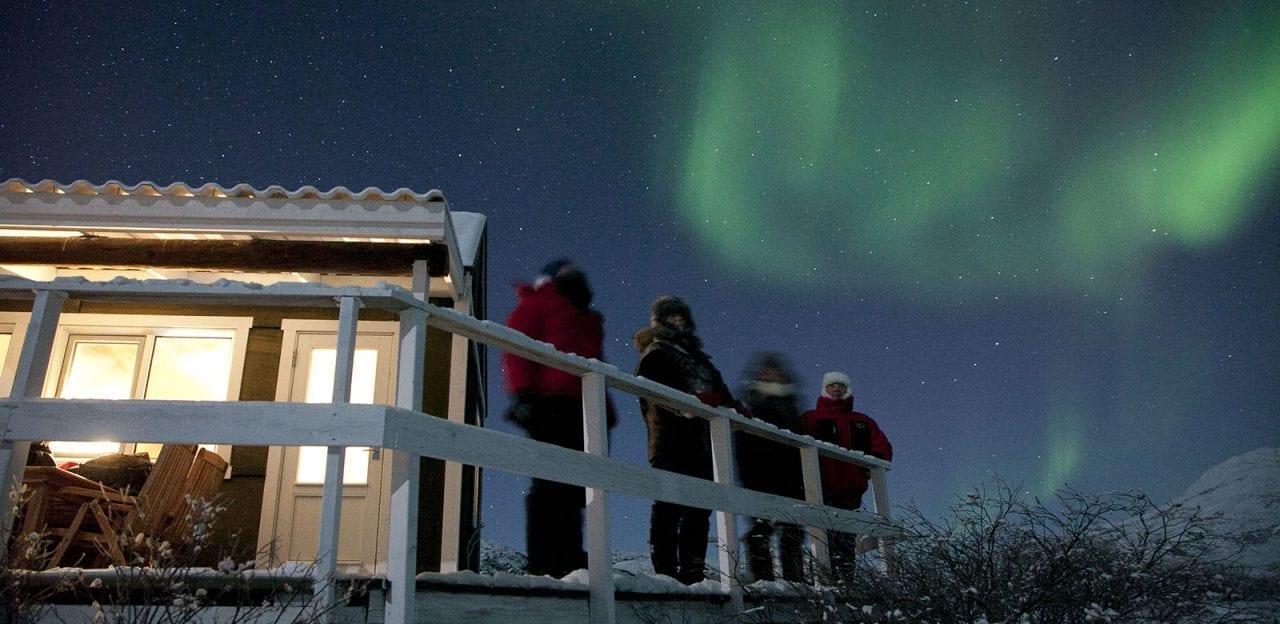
394	298
277	423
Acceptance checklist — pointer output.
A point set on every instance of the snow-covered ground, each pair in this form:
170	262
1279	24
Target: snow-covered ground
501	566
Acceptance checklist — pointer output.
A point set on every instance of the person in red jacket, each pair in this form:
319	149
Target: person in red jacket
843	483
547	403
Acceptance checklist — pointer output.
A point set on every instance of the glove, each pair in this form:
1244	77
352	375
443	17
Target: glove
520	412
710	398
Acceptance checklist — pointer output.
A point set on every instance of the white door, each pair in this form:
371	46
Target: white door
296	474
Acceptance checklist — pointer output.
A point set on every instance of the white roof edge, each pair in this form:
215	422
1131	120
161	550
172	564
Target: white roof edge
241	209
387	294
468	228
213	189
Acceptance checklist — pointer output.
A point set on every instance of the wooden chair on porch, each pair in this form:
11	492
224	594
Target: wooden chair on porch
56	500
182	473
202	483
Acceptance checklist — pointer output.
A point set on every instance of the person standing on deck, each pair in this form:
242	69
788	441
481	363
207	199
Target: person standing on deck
673	356
547	403
770	392
843	483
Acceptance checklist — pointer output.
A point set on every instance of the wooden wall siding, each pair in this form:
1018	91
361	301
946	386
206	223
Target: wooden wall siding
264	256
435	401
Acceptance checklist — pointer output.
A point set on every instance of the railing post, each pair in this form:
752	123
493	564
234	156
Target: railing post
28	381
451	505
335	457
595	431
402	530
726	523
880	497
809	467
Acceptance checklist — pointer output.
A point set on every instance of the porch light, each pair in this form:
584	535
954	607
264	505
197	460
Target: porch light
6	233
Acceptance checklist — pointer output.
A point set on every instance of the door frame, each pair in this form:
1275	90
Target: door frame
272	524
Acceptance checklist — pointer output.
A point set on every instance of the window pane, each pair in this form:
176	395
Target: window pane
80	451
320	390
196	369
5	340
355	470
100	369
320	375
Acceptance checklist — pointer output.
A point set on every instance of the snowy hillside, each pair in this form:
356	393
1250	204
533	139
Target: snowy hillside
1244	492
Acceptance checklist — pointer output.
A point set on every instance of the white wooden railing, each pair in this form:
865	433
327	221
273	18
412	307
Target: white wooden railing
404	429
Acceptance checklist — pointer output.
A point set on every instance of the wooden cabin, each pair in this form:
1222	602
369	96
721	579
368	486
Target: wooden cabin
158	350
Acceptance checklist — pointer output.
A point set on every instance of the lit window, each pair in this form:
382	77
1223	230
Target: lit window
311	459
134	357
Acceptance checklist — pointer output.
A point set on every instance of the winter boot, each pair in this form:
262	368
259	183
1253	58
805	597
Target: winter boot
664	560
695	526
663	532
692	571
759	557
791	552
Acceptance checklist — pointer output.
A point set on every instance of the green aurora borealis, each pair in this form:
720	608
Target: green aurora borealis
950	157
957	149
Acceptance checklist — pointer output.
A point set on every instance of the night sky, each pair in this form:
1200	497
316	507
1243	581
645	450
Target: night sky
1042	238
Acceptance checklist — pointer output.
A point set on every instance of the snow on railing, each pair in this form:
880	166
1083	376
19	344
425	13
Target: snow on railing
403	429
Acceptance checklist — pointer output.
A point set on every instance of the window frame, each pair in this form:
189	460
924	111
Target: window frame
14	324
149	327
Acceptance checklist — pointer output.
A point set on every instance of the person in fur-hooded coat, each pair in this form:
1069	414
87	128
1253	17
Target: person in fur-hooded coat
673	356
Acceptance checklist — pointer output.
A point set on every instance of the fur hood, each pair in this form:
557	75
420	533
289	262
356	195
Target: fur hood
645	337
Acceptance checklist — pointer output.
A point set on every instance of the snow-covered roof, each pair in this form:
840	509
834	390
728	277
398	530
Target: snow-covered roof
212	211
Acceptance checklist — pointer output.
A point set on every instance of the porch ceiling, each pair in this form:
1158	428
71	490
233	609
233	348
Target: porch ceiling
178	212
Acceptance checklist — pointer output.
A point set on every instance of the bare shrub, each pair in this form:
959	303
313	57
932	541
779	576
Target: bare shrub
23	597
1001	556
163	583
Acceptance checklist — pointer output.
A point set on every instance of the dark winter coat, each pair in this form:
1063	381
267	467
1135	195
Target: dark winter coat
834	420
769	466
545	315
674	359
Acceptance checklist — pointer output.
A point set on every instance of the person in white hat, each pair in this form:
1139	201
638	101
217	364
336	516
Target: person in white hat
843	483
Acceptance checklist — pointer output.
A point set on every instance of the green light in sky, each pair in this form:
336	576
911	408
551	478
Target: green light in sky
828	141
1063	446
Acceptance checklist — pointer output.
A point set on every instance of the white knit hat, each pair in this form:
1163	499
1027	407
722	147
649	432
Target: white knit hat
835	377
